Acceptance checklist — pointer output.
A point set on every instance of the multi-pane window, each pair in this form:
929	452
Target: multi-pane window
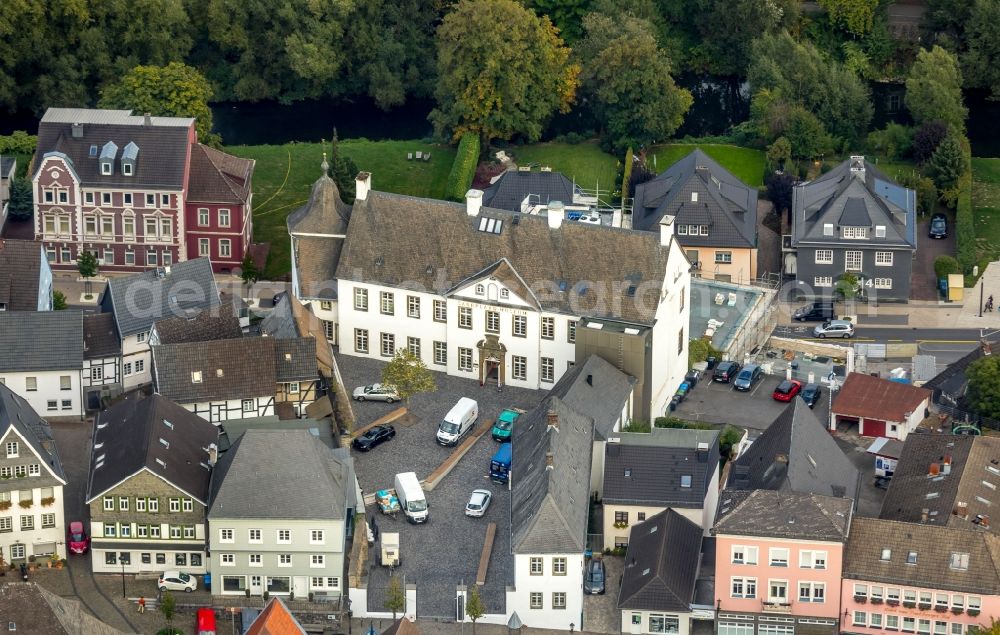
823	281
413	346
27	522
255	560
883	258
204	247
520	326
743	587
388	344
12	446
123	503
724	257
492	322
664	624
883	283
174	505
824	256
744	554
440	352
548	369
284	536
361	340
387	302
853	260
559	566
254	536
736	628
440	311
328	330
860	618
225	248
317	537
154	505
535	600
777	591
548	328
535	566
109	503
559	600
284	559
812	559
48	521
519	367
854	233
412	306
223	218
361	299
227	559
465	359
226	535
464	317
571	325
202	216
317	560
812	592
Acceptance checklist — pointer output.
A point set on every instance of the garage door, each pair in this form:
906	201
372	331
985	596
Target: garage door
874	428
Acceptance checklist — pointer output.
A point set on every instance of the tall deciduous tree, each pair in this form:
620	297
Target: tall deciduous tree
980	63
408	374
502	71
729	27
395	597
628	76
567	15
343	170
174	90
856	16
927	138
474	607
934	89
983	395
86	264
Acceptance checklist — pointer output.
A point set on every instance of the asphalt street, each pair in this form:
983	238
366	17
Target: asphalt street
893	334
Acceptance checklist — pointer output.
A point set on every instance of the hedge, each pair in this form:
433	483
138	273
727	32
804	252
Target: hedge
965	230
463	170
945	265
627	175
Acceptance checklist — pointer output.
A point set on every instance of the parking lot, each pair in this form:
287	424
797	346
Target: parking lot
444	552
720	403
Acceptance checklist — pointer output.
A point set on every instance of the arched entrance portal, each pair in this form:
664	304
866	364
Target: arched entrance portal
492	361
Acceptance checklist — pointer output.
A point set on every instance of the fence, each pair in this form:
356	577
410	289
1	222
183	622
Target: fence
961	416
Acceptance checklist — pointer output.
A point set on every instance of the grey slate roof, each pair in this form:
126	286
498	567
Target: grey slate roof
163	146
724	202
280	322
131	435
841	197
387	244
35	610
318	229
661	565
20	270
16	413
514	186
140	300
549	507
796	454
7	166
652	475
100	336
933	547
597	388
46	340
201	327
775	514
217	177
232	369
255	477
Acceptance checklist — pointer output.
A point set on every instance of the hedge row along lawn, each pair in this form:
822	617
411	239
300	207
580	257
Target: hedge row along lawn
986	209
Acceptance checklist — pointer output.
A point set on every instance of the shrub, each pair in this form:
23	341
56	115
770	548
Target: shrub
636	425
20	142
699	350
944	265
464	168
965	231
627	174
894	141
927	138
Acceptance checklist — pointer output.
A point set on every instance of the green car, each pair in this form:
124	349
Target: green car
504	425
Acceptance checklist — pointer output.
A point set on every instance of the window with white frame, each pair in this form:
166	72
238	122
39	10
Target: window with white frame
465	359
123	503
547	369
548	328
35	470
412	306
823	281
777	591
387	302
736	628
255	560
743	587
493	321
875	620
317	560
571	324
743	554
854	233
440	311
224	218
284	536
883	258
27	522
109	503
723	257
226	536
535	600
812	592
824	256
225	248
853	260
317	537
559	600
284	559
659	623
254	536
883	283
388	344
203	217
441	353
249	405
187	505
227	559
892	622
360	299
519	367
204	247
12	446
682	230
812	559
860	618
778	557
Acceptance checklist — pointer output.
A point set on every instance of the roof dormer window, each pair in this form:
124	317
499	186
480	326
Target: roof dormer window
108	153
854	233
694	197
129	156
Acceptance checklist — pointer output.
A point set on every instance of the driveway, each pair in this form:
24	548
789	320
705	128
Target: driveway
924	282
870	500
600	612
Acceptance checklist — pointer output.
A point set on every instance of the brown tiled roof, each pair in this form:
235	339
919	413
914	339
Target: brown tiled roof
217	177
218	324
275	619
933	547
100	336
29	608
20	265
866	396
600	272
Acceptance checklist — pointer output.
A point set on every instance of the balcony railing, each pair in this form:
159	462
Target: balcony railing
777	607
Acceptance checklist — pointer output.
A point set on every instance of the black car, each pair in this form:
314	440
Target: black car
726	372
811	394
815	311
593	579
373	437
938	227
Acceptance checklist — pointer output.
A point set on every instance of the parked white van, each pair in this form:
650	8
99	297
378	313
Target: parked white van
411	497
459	420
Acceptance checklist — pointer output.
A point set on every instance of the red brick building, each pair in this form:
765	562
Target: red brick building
123	186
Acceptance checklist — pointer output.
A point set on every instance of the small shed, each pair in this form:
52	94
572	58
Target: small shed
956	287
878	407
887	453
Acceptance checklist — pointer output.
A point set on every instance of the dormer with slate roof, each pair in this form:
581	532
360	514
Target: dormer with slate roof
107	159
129	156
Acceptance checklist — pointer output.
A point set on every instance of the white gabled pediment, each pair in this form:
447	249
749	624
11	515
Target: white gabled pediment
499	283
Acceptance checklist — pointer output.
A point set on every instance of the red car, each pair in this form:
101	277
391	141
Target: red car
206	622
787	390
79	541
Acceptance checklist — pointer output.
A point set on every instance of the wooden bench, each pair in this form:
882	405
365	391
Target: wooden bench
484	558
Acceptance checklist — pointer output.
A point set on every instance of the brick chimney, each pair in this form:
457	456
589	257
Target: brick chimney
362	185
666	230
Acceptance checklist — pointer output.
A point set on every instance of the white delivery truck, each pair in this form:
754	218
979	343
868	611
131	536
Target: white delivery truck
411	497
459	420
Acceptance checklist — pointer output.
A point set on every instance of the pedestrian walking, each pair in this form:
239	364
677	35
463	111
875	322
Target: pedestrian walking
142	604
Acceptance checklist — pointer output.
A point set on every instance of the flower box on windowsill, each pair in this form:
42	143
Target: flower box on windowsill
957	610
892	602
876	600
925	606
5	505
620	525
910	605
27	503
860	599
941	608
973	612
47	502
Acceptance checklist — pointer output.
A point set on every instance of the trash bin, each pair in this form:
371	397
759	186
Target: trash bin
692	378
711	362
207	580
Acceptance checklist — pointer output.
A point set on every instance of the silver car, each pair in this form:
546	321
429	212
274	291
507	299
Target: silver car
478	503
834	328
376	392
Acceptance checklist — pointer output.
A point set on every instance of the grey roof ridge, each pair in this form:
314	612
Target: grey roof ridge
482	272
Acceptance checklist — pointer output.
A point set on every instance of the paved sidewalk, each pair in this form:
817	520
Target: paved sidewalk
917	313
450	628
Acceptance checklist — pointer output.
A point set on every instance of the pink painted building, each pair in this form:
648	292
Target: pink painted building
919	578
778	562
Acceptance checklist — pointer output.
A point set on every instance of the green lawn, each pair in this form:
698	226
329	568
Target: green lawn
986	207
585	163
284	176
746	164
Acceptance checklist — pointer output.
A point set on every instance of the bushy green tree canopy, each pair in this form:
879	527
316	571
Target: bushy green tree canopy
934	89
981	63
984	386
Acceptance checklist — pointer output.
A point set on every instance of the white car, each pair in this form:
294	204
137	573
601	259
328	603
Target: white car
478	503
834	328
376	392
177	581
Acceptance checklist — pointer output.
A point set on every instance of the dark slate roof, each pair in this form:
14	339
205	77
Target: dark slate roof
46	340
217	177
163	146
597	388
950	384
796	454
20	270
35	610
16	413
200	327
651	475
661	564
724	203
865	396
513	186
232	369
6	166
280	322
140	300
387	244
549	507
100	337
129	438
968	472
317	229
842	197
933	546
775	514
253	479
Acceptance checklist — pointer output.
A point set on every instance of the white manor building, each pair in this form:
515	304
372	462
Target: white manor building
495	295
